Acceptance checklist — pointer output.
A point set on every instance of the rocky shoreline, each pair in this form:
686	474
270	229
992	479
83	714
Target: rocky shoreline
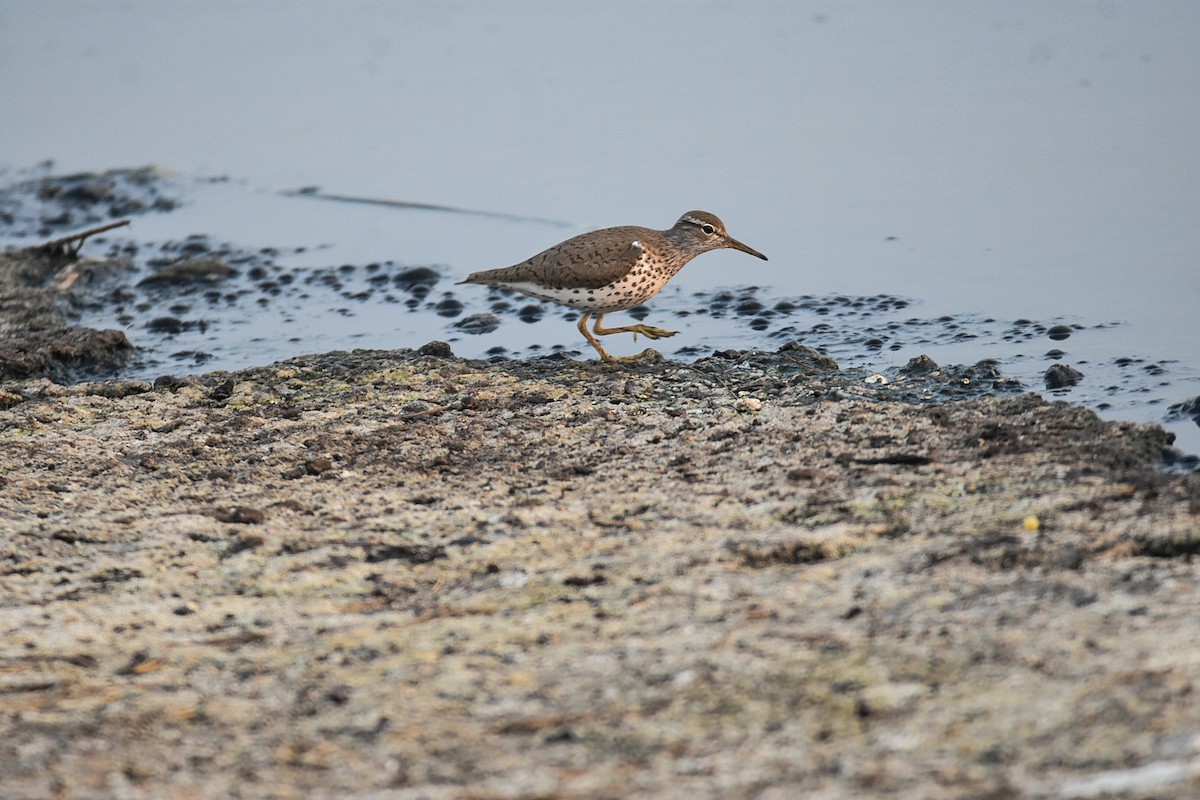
404	574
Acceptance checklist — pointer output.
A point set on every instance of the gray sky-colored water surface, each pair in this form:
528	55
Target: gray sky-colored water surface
1012	159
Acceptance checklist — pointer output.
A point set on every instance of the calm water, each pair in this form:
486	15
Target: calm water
1000	159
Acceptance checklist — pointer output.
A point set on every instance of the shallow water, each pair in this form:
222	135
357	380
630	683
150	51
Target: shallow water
986	161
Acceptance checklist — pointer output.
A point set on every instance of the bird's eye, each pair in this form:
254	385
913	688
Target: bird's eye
709	229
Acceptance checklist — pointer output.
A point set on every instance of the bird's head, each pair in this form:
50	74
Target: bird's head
701	231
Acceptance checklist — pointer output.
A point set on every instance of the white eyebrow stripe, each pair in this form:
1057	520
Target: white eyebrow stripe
699	223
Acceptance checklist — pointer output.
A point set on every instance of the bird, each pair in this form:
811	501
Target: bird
613	269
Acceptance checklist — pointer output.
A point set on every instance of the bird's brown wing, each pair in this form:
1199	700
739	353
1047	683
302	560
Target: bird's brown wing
587	261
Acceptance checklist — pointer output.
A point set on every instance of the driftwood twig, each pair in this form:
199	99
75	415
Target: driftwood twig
69	246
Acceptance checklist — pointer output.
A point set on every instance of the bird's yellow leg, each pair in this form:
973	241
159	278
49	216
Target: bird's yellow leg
649	331
592	339
645	355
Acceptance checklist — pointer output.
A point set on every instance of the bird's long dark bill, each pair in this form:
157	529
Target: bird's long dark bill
745	248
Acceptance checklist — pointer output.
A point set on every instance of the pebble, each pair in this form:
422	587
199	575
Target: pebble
168	325
448	307
1059	332
530	313
748	404
193	270
1061	376
416	276
478	323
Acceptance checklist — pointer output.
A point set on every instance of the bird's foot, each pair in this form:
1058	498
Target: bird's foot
647	356
650	332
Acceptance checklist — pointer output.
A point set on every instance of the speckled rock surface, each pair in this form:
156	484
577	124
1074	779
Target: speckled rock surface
406	575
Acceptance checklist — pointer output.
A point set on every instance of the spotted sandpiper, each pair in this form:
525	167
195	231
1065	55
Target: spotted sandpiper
614	269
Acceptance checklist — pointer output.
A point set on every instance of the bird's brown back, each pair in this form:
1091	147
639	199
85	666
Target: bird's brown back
587	261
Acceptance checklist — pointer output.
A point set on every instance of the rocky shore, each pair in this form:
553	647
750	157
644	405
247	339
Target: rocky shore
404	574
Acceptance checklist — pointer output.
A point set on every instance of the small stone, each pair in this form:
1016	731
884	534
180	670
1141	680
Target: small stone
448	307
530	313
167	325
409	553
748	404
411	278
117	389
315	466
478	323
921	365
436	349
195	270
747	306
1061	376
239	515
171	383
811	358
1059	332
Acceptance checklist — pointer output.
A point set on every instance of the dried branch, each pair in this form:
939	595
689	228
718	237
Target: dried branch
69	246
